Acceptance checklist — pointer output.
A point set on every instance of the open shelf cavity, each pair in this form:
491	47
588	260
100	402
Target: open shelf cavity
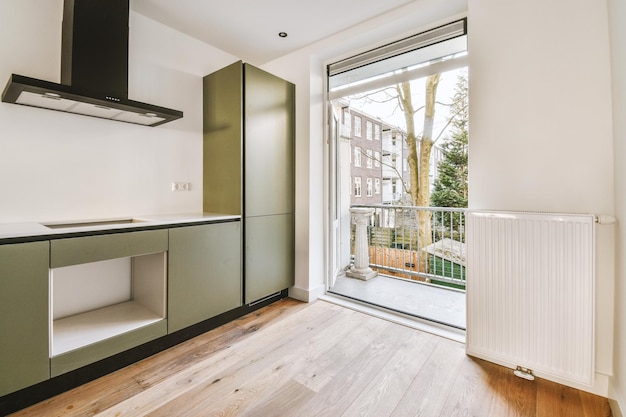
77	331
96	301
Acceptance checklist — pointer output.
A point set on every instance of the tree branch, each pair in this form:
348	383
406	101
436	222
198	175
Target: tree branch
450	120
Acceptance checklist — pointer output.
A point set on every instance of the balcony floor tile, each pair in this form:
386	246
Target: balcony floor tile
429	302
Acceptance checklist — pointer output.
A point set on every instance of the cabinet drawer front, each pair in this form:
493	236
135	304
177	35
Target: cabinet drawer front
106	348
78	250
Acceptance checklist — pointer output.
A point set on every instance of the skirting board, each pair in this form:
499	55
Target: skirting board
306	295
615	408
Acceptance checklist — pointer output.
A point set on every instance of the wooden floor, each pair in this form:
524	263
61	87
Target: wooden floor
318	359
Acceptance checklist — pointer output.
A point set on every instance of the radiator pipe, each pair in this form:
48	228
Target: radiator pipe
605	219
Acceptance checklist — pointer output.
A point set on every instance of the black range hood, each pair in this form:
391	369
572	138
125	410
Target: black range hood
94	69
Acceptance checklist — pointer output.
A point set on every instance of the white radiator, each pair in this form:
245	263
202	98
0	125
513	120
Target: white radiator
530	292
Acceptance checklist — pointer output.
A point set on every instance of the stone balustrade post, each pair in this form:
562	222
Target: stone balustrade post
361	269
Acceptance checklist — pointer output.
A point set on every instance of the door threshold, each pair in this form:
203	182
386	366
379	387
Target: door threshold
395	317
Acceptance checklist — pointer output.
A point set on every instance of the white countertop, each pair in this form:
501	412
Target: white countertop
82	226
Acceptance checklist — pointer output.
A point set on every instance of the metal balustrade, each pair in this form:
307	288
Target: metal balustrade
418	243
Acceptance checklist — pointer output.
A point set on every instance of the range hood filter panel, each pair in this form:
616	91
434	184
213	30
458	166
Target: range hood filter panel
45	101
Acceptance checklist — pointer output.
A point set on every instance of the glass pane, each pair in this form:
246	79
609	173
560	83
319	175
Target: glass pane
387	134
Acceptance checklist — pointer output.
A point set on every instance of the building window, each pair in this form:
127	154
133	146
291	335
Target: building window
376	185
377	132
357	156
357	126
377	159
369	187
357	186
368	130
369	158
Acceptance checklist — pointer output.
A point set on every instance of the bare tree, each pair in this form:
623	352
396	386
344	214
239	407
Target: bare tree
419	156
419	146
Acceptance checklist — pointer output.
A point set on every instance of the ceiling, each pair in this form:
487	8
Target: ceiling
249	29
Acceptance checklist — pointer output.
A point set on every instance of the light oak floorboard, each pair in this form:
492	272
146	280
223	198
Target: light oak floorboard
318	359
429	390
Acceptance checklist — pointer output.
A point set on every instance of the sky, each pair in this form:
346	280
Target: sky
391	114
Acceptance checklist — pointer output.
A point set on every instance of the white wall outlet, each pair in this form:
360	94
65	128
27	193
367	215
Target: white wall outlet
181	186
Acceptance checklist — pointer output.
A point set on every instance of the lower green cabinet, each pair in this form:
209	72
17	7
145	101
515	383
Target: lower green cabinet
195	277
23	315
204	273
100	350
269	259
108	295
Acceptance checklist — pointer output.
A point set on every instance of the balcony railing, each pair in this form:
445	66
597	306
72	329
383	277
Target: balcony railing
418	243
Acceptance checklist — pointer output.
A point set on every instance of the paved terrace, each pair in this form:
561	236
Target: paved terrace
439	304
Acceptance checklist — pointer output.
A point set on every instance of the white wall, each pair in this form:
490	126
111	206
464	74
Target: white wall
540	110
617	17
540	123
58	166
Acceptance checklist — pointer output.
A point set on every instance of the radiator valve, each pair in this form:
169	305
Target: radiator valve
524	373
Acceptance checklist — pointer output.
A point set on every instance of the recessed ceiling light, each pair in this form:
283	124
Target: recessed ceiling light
282	34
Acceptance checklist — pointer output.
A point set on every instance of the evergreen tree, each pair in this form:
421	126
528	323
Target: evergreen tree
450	188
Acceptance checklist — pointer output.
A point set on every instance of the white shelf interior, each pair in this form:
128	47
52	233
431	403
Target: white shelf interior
96	301
77	331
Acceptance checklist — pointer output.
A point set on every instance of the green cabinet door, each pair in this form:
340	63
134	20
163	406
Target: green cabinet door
204	273
269	144
269	262
222	140
23	315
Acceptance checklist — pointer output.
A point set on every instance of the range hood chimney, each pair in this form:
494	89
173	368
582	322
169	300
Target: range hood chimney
94	69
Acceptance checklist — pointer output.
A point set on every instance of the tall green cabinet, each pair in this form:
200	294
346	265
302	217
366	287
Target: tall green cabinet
249	135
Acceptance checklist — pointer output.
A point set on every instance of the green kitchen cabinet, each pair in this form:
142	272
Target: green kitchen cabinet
269	263
104	327
23	315
249	169
204	273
